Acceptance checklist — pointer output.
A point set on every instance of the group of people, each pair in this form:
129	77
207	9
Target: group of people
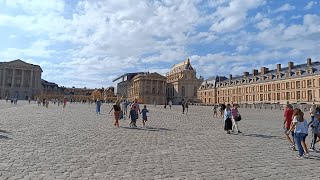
296	125
133	113
231	116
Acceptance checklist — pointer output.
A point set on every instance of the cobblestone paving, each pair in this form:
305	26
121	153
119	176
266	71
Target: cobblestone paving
41	143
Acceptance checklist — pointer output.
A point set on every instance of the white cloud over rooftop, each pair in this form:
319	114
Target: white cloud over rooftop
88	43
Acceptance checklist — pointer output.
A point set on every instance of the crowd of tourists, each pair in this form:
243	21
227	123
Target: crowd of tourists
120	110
296	126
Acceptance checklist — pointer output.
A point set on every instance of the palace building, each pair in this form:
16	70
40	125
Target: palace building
182	83
145	87
19	79
293	84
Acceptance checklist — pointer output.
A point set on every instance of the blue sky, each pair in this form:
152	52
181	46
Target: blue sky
89	43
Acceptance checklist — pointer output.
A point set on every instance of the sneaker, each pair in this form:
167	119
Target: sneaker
299	157
239	132
228	132
312	150
232	131
306	154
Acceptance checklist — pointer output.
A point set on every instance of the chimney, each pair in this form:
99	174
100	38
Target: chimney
264	70
309	62
245	74
255	72
290	65
278	68
230	76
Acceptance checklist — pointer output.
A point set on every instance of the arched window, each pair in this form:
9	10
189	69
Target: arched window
183	91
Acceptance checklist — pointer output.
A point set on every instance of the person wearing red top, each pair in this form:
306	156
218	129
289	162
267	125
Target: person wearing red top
288	113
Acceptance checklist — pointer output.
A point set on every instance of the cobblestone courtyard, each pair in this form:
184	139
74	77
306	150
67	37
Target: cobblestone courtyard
40	143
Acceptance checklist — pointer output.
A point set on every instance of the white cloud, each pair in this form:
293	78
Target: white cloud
265	23
285	7
232	17
296	17
100	40
37	6
310	5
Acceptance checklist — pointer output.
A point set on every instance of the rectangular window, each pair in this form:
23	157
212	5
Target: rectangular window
278	96
309	83
287	85
278	86
314	82
298	84
303	83
287	95
298	95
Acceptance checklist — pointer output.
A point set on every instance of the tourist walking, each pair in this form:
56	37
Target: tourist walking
116	109
64	104
170	104
135	104
98	105
288	115
222	108
236	117
47	102
133	117
186	105
300	128
227	119
183	104
315	126
215	113
144	112
312	111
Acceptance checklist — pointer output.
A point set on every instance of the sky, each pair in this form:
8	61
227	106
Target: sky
88	43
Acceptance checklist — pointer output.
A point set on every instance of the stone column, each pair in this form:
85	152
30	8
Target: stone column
31	79
13	77
4	77
22	79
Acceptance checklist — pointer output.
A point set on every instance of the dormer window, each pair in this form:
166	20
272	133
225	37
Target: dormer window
298	73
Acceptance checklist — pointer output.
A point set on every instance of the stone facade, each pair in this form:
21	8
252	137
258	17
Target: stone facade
182	83
19	79
148	88
293	84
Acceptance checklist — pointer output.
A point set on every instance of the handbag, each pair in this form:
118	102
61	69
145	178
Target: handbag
238	118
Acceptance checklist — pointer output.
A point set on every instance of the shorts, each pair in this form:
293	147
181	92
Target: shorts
144	118
304	138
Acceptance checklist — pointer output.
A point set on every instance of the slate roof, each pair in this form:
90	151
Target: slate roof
272	75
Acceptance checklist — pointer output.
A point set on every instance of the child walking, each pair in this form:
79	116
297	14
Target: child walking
144	115
133	116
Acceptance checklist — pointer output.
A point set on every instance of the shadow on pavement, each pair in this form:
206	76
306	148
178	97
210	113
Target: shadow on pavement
261	136
3	131
148	129
4	137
